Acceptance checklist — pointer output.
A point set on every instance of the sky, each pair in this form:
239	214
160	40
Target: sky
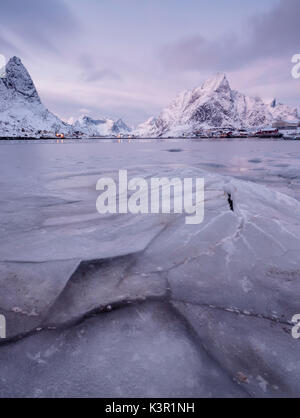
129	58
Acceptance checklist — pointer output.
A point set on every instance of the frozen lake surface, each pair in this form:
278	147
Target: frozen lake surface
273	163
145	305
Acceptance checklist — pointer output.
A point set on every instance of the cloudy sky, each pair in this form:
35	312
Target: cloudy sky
129	58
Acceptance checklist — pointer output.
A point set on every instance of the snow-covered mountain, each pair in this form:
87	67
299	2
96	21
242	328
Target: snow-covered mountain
214	105
281	112
100	127
22	113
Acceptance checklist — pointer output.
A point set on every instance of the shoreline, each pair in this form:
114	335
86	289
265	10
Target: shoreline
3	139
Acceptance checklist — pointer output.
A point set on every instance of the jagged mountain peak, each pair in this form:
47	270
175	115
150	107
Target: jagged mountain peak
18	80
90	120
15	60
216	83
121	125
215	86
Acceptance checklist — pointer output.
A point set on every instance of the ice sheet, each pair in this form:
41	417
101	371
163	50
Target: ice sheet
67	272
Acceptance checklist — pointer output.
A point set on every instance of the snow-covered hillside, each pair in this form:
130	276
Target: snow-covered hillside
100	127
22	113
214	105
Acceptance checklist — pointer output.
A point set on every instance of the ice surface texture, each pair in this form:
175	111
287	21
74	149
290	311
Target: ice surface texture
144	305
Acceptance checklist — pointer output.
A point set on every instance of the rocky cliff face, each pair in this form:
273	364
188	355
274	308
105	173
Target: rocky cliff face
214	105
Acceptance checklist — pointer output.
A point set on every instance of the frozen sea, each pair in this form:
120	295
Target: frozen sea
274	163
145	305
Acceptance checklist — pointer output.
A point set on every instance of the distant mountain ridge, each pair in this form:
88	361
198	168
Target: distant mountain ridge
214	105
100	127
